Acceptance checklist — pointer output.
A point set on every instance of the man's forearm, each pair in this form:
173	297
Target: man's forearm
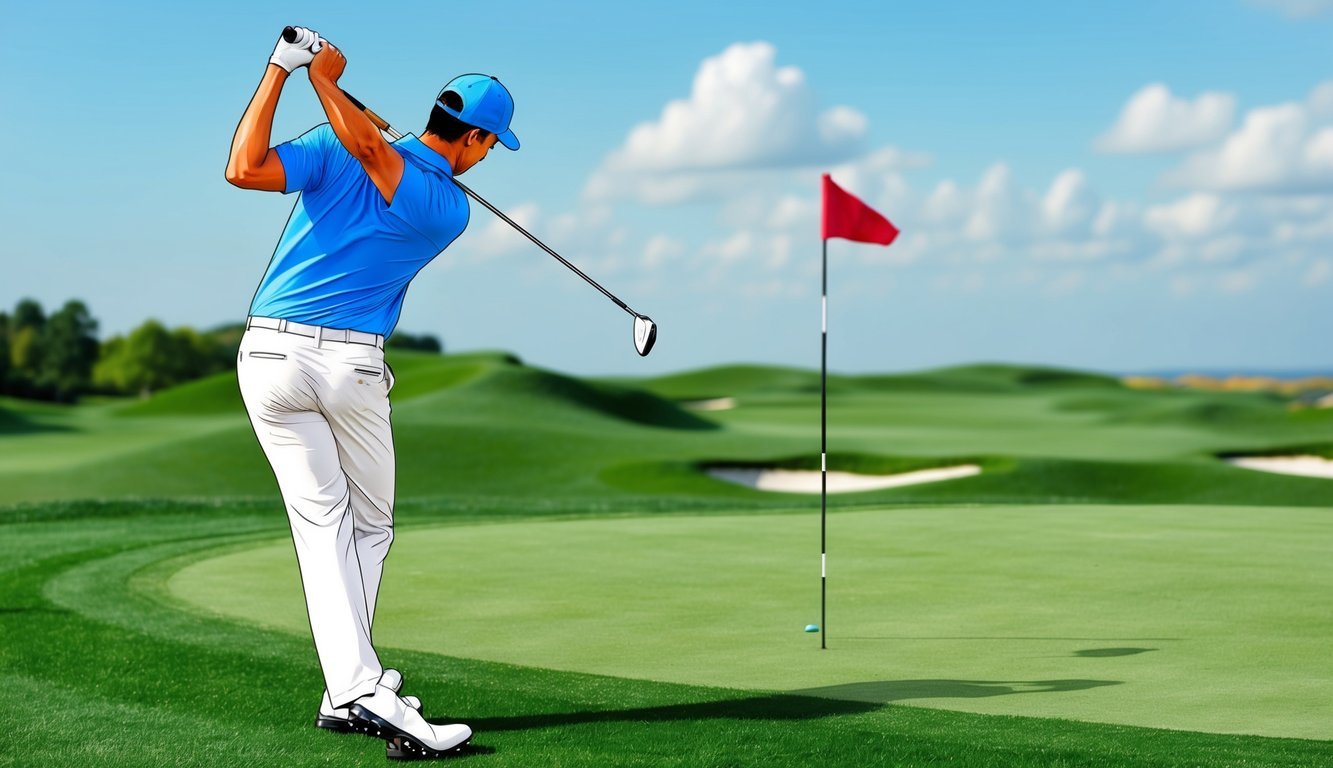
250	145
356	132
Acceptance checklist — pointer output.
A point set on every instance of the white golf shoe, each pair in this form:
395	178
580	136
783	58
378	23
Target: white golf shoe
336	719
386	716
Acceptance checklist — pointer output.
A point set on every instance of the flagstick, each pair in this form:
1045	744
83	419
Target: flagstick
823	456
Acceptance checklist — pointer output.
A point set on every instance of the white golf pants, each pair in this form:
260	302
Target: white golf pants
320	409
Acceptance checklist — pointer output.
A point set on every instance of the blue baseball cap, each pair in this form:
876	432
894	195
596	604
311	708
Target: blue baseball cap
486	104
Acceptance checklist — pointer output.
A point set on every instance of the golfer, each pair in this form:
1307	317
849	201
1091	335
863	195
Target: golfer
369	215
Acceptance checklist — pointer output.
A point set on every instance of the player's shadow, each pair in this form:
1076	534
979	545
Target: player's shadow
807	704
889	691
768	707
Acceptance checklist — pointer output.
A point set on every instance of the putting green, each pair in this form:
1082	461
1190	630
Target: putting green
1185	617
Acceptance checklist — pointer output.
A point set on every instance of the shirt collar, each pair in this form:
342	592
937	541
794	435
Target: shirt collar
414	145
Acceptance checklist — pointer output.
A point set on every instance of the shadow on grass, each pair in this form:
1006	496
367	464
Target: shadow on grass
888	691
770	707
12	423
1108	653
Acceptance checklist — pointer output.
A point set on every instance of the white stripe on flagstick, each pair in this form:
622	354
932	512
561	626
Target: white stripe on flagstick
823	565
823	314
823	462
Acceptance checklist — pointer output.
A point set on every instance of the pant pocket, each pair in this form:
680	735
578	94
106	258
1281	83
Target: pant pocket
266	355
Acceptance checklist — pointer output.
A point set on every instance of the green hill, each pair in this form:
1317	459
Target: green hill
480	422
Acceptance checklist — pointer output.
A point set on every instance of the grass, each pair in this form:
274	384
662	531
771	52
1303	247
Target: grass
111	509
1177	620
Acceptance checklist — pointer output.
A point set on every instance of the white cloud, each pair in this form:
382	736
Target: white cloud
1155	121
998	210
792	210
496	238
1321	102
1193	217
842	127
1115	219
661	249
1318	273
947	204
1069	204
733	248
1280	148
862	175
744	114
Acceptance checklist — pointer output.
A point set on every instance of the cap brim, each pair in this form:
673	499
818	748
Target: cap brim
508	139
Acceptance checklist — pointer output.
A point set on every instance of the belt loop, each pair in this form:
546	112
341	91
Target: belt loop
282	325
249	321
319	336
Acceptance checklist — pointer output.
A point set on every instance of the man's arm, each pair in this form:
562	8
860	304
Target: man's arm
253	164
360	136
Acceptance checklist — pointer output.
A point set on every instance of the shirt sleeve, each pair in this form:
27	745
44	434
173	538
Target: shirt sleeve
431	205
304	159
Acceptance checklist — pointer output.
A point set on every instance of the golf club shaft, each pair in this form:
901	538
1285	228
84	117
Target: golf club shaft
544	247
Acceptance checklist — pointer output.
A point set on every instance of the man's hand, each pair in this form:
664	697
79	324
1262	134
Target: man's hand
357	133
299	53
328	64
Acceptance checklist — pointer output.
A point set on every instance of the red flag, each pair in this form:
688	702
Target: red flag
847	217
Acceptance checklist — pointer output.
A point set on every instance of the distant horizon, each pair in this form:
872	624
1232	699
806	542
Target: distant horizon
1213	370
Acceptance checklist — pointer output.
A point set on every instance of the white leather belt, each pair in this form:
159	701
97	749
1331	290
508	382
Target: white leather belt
317	332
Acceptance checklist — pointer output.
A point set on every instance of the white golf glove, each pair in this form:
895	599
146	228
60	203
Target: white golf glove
300	53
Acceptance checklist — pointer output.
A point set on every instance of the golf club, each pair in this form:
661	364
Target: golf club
645	330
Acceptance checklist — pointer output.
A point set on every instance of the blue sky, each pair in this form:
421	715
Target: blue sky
1119	186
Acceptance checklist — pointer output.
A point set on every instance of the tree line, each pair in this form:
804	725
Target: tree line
58	356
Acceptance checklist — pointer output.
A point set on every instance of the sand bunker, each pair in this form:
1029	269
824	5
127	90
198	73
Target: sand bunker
1307	466
715	404
808	481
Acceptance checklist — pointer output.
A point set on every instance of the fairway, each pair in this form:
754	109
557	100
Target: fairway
1185	617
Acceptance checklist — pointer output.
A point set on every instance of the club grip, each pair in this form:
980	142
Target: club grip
289	34
379	122
355	102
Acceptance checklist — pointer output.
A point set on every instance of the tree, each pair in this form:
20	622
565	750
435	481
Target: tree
424	342
25	351
28	314
153	357
69	351
141	362
108	373
4	352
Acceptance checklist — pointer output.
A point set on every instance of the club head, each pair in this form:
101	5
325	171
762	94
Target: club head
645	334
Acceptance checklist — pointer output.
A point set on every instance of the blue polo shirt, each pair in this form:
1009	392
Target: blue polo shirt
346	257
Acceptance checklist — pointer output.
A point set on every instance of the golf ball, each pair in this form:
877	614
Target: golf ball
811	627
